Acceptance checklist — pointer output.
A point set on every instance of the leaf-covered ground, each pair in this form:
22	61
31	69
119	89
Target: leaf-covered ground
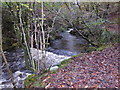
98	69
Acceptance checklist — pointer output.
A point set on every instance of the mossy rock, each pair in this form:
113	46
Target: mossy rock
74	32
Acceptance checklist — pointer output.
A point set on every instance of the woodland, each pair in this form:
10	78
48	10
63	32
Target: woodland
60	44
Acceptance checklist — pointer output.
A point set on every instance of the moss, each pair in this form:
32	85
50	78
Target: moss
37	84
30	80
100	49
104	46
62	28
118	20
15	44
44	75
90	49
54	71
65	62
77	55
35	80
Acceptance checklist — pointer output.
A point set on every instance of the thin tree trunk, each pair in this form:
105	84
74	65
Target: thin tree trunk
0	41
2	53
43	39
24	36
7	66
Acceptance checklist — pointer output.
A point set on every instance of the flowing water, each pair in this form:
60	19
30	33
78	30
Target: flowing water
62	48
69	44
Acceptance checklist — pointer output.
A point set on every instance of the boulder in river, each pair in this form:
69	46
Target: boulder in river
53	68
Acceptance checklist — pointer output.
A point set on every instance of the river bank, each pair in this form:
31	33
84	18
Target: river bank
55	54
97	69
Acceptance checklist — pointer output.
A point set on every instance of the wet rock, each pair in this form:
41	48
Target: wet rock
6	82
27	71
69	30
16	74
21	75
20	81
54	68
19	78
73	32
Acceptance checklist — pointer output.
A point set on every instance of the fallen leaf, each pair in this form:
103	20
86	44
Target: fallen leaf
46	79
86	87
62	85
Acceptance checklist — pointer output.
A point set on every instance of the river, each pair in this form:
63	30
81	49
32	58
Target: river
59	50
68	45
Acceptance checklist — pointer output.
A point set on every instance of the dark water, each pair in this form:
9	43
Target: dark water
68	45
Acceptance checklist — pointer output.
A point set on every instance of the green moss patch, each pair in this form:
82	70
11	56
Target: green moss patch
30	80
65	62
104	47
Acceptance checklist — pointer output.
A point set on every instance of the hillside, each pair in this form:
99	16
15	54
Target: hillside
97	69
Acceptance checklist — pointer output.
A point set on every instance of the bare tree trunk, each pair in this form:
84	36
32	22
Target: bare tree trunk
7	66
43	39
2	53
24	36
0	40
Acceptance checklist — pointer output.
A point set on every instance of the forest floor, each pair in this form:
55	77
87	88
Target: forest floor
98	69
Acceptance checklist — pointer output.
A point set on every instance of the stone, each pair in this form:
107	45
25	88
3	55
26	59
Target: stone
53	68
17	73
69	29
